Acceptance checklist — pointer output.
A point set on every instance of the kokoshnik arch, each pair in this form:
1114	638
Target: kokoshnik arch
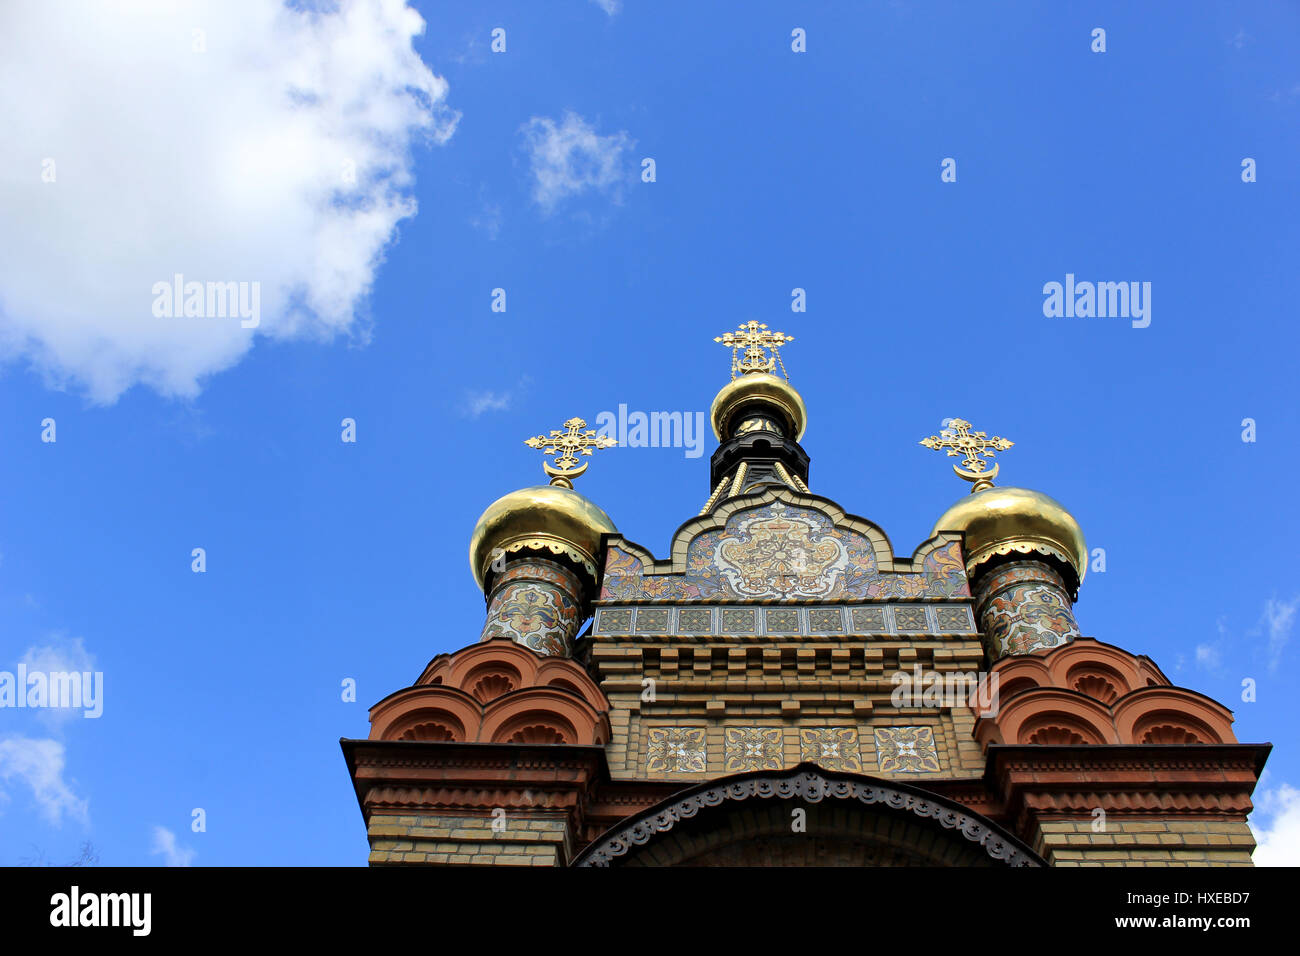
733	703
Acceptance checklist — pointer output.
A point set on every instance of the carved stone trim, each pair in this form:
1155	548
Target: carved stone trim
808	783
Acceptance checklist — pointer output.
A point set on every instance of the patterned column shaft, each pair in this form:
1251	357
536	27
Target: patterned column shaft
1023	606
536	603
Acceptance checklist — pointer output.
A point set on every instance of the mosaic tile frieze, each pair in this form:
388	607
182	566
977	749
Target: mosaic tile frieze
753	748
675	750
783	552
906	750
832	748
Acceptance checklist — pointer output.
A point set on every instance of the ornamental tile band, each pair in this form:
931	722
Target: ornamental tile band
753	748
834	748
784	552
675	750
907	750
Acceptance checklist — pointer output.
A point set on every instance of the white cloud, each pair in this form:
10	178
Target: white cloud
1279	843
476	403
609	6
569	158
227	164
1208	657
61	655
165	845
39	764
1279	618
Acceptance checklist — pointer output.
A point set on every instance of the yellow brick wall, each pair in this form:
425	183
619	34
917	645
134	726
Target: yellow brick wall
1146	842
462	838
791	684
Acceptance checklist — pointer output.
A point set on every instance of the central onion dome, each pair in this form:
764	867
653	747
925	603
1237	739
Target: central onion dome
1004	521
762	393
546	519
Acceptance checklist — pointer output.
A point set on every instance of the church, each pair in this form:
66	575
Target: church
782	689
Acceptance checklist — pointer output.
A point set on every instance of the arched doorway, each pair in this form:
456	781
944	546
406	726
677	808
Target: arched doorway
754	819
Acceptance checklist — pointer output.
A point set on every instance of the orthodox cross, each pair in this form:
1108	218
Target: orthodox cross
756	341
566	446
959	439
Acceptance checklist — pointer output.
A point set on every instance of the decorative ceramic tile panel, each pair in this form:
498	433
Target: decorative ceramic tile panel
906	750
535	610
869	620
739	620
653	620
614	620
784	552
825	620
753	748
781	620
910	619
1029	618
953	620
695	620
675	750
834	748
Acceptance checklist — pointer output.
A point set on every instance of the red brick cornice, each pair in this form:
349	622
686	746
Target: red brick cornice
1200	780
392	775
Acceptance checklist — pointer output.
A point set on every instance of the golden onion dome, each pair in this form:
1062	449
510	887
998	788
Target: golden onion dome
542	518
1001	521
759	389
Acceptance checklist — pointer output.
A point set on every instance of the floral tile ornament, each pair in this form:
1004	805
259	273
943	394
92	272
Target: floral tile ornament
826	620
781	620
676	750
953	620
907	750
834	748
910	618
695	621
738	620
869	619
753	748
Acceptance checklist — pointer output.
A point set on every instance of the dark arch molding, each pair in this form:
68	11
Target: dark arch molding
809	783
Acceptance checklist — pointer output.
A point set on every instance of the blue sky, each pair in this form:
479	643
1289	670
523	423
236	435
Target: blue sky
521	170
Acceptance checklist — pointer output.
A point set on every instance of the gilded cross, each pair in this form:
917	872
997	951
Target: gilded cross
566	446
958	439
754	339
